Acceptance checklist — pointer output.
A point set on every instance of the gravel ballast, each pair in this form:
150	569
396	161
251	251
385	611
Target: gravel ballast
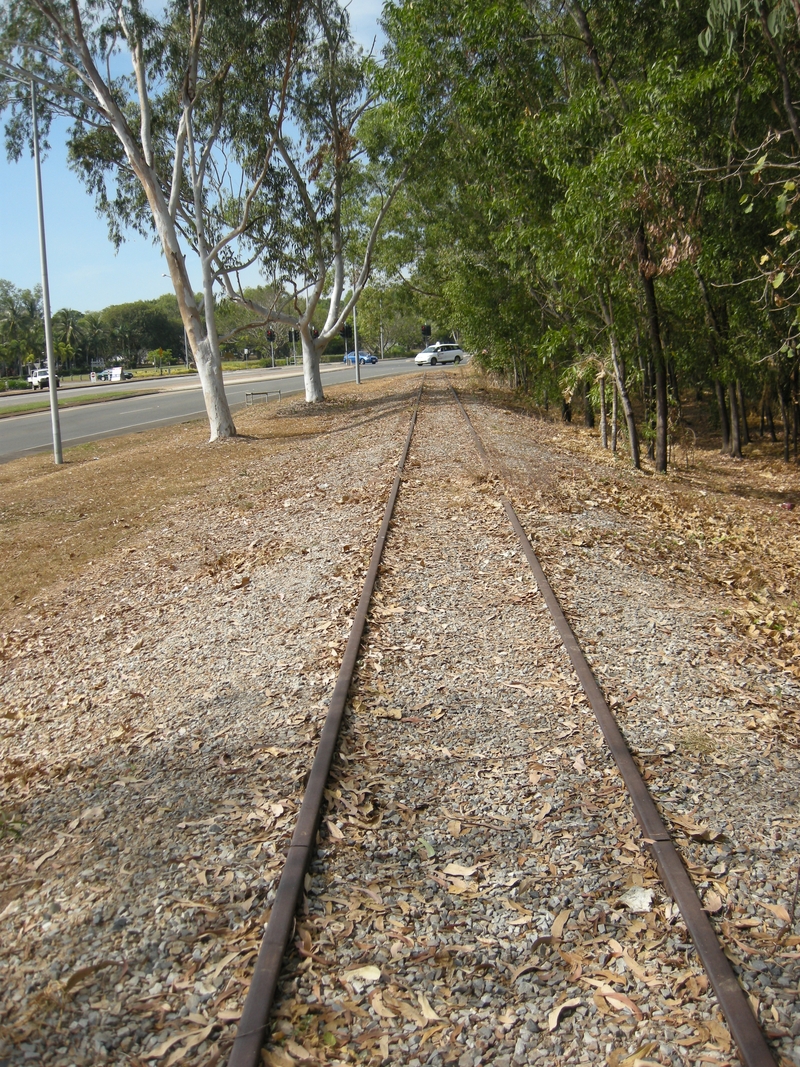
481	894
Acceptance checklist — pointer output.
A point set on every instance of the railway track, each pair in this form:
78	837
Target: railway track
480	893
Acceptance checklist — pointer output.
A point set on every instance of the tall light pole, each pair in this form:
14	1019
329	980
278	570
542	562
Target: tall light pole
58	455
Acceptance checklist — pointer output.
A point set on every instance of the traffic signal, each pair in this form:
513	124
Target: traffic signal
426	330
346	330
314	331
270	335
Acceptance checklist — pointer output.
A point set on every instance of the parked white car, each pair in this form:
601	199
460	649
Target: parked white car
40	379
440	352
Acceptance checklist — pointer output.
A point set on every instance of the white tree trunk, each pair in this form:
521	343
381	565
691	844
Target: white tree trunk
204	345
220	419
311	375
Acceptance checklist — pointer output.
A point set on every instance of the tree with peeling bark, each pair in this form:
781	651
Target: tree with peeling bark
338	171
158	111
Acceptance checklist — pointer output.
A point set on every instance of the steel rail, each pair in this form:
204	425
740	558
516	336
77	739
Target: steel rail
252	1029
750	1040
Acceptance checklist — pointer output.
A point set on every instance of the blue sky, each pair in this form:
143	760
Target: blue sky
84	271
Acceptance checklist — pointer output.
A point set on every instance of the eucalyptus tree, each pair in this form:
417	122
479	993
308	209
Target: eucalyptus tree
338	168
157	105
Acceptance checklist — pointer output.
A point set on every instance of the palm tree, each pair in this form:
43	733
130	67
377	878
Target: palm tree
21	324
10	327
67	331
95	336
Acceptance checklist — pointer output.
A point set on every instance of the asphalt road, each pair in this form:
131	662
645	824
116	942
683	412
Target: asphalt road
177	401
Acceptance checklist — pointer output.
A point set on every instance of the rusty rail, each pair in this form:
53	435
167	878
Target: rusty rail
743	1025
252	1030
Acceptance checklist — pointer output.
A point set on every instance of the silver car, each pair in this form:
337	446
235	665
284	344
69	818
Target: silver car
441	352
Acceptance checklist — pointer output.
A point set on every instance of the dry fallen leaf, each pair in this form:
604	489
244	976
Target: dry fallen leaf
407	1011
164	1047
85	972
719	1033
47	855
777	910
369	973
534	961
459	871
619	1058
427	1010
457	885
694	829
557	928
624	1002
555	1014
387	713
296	1050
195	1038
278	1058
380	1008
712	902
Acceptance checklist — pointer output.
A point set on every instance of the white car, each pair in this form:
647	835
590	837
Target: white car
439	353
39	378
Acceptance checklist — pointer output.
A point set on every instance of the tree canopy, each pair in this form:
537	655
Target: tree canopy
603	197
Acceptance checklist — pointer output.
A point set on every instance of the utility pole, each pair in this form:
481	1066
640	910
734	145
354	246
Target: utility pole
380	312
58	455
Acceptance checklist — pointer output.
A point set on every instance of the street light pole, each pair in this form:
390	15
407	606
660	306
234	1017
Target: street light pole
58	455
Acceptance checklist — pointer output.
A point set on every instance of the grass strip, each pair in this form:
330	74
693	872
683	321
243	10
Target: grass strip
67	402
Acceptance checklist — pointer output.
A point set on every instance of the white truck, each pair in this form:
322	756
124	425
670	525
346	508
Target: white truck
39	378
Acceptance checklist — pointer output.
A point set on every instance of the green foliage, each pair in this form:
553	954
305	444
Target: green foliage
583	158
21	327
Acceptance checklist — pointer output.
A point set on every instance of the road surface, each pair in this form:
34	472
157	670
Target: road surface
180	400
